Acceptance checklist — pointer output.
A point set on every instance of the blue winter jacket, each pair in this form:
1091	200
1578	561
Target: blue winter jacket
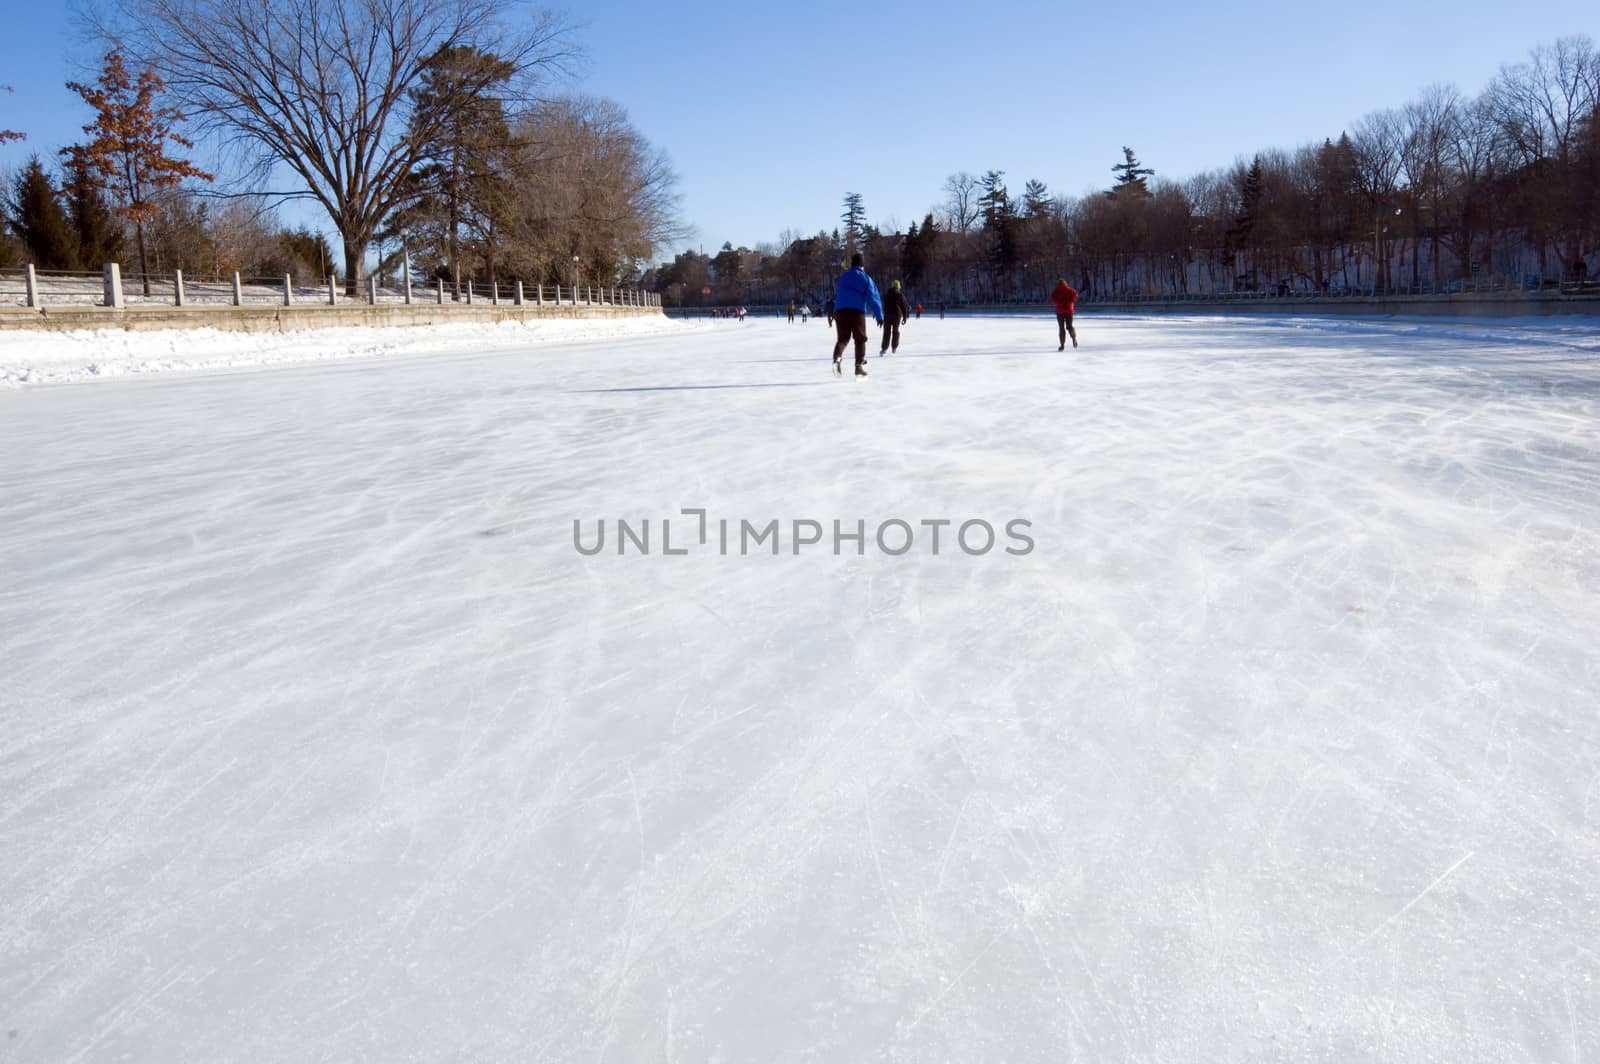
857	292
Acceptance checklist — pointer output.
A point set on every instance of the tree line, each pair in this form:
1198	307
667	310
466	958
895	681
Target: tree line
1440	192
422	130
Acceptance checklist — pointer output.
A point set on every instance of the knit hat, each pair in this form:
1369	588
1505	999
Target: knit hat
855	260
894	284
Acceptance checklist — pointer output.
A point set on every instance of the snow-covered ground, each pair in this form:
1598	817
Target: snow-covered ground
319	740
47	357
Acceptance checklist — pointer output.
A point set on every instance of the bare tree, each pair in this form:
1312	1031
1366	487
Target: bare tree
589	185
1473	150
1542	106
1429	125
322	87
961	201
1377	140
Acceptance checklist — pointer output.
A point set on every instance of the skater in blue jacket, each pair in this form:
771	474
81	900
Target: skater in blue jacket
853	297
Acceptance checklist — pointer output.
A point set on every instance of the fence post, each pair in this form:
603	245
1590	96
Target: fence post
469	291
494	292
408	287
114	286
177	288
288	291
516	294
331	290
372	289
439	284
238	290
538	293
33	287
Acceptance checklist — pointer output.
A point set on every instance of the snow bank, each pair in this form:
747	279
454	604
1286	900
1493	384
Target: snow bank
43	357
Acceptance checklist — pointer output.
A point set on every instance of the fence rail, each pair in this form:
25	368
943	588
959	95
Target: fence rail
1496	286
31	287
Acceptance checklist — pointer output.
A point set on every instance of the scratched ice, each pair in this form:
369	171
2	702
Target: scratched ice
320	741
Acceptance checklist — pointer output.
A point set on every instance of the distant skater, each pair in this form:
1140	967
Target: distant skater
829	307
895	314
919	311
941	310
1065	297
791	312
854	295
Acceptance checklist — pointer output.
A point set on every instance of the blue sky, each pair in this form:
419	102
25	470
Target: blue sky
771	113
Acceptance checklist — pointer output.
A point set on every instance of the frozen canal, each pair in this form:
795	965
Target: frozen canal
321	741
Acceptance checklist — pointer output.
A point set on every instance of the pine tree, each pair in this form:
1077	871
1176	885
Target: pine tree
302	246
1251	188
98	232
463	183
128	145
854	219
1035	199
995	203
917	256
725	266
39	221
1130	176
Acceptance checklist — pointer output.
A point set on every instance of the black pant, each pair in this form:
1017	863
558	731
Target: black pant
851	325
1064	328
891	335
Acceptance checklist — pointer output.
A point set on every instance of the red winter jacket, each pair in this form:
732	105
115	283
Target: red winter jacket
1064	297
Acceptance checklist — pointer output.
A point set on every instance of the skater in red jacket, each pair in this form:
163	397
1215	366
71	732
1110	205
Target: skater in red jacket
1065	297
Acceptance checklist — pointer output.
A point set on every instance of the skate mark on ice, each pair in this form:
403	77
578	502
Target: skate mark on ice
694	387
938	880
1429	889
877	863
928	1009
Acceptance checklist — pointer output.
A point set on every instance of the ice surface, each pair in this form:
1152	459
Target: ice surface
320	741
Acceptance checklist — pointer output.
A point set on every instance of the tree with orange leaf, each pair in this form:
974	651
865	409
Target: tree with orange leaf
10	134
128	152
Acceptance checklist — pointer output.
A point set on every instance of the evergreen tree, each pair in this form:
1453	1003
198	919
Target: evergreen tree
1251	188
995	202
39	221
854	219
463	183
912	258
726	267
1130	176
98	232
129	143
310	249
1035	199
